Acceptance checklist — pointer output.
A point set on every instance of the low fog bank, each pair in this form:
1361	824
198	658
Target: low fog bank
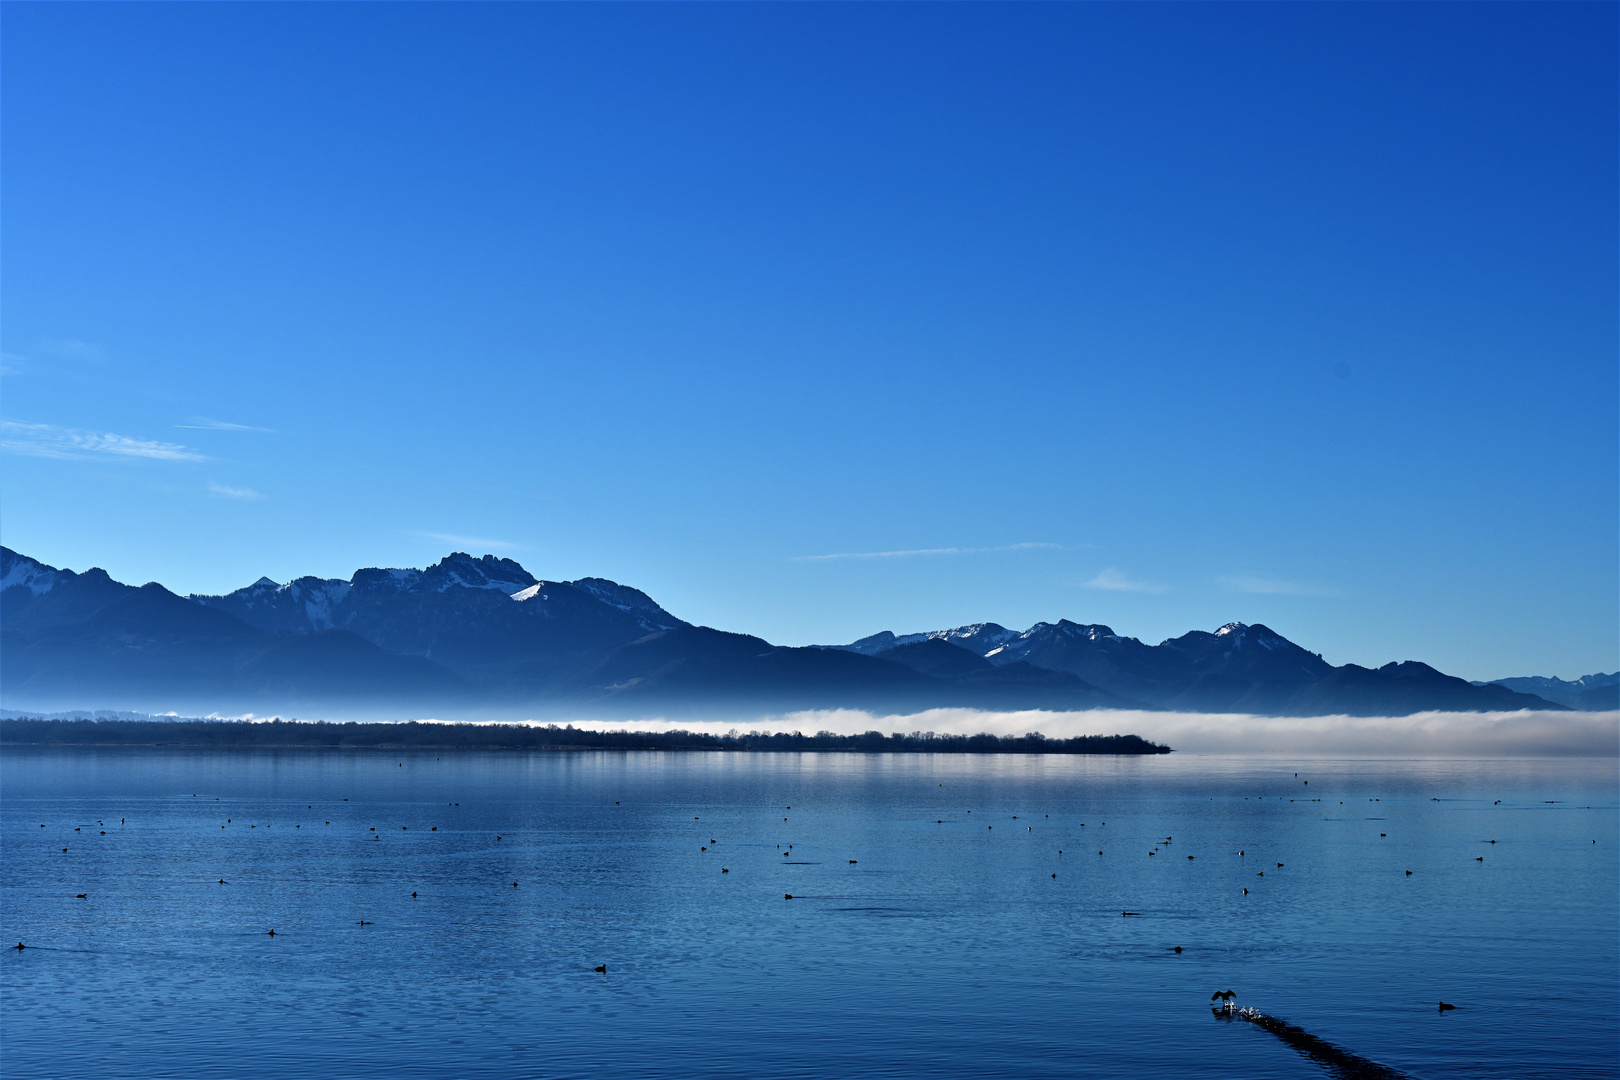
1434	734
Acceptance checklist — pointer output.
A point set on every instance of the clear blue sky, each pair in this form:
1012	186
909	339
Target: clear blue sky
1154	315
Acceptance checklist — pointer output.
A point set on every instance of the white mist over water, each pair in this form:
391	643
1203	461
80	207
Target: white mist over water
1430	734
1526	733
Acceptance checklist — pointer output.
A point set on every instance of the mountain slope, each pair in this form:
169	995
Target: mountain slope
482	636
65	637
488	620
1590	693
1237	668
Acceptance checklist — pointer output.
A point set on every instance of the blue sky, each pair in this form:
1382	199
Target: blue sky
815	320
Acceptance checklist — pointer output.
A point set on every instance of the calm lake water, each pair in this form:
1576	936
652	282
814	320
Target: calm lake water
927	935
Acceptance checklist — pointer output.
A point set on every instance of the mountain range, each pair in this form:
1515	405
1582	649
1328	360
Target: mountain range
1590	693
482	637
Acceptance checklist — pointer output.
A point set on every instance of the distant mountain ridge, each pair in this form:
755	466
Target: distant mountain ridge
1237	668
469	637
1590	693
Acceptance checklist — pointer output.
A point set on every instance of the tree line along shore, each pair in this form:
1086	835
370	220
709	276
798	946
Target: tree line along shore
293	734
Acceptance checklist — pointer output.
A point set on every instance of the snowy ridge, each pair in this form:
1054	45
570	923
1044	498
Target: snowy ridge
628	600
311	604
19	571
1019	646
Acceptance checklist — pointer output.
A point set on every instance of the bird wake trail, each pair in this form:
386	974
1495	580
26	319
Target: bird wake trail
1339	1063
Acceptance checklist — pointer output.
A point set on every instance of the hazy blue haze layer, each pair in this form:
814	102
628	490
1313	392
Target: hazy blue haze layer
947	948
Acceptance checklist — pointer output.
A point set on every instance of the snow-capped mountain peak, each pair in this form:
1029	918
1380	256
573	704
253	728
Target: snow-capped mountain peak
19	571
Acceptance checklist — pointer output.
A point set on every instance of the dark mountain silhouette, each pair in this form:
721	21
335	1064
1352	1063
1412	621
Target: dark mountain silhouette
1238	668
470	636
487	619
465	636
1598	692
1403	688
66	636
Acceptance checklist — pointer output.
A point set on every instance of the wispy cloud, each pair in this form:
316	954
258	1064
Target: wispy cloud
1114	580
70	349
12	364
479	542
1274	587
50	441
226	492
203	423
926	551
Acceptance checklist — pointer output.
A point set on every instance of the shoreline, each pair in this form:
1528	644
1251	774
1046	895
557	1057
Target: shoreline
418	735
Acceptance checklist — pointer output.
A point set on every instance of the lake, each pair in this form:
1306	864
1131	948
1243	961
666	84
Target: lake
952	915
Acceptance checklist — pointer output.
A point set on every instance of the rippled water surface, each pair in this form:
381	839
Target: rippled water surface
927	934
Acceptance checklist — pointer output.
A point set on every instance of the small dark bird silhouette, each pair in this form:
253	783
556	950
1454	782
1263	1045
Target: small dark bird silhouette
1479	858
1178	948
362	921
1409	873
852	862
723	870
1446	1008
1279	866
19	946
80	896
272	933
1054	875
1130	913
222	881
601	968
1222	995
787	896
1245	892
413	896
514	884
